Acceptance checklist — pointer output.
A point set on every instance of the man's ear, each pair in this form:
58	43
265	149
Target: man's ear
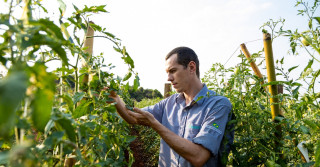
192	66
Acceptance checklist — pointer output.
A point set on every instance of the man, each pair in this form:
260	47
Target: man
190	123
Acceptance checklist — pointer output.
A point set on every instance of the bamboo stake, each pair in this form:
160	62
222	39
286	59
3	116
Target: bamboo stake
275	107
273	89
252	63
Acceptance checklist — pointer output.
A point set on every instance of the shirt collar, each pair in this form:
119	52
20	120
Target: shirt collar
199	98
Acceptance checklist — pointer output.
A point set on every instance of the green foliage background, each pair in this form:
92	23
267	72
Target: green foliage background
259	139
142	93
47	118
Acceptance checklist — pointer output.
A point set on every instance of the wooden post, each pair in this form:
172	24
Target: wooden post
167	89
88	45
275	107
252	63
88	42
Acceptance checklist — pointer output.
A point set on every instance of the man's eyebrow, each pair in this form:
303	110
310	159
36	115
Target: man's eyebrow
171	69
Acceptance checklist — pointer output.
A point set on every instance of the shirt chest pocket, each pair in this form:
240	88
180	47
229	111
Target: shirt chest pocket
192	130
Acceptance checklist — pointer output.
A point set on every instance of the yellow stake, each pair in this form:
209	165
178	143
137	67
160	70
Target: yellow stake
275	107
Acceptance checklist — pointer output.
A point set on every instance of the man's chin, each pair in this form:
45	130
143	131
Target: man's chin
178	90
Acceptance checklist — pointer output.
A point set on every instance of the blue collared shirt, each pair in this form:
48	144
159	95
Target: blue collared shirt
203	121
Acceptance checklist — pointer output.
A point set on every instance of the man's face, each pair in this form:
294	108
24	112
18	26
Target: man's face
177	74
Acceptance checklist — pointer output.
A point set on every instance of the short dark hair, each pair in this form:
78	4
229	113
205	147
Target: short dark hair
184	56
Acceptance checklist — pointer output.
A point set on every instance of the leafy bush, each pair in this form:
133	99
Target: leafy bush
52	118
149	138
259	139
142	93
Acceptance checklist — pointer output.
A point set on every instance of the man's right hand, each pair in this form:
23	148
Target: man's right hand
121	107
113	95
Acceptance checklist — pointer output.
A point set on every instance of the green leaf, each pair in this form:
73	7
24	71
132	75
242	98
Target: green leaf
304	129
317	154
51	28
3	60
127	76
4	158
317	18
41	108
281	61
54	139
109	35
310	23
48	127
62	7
75	7
127	59
77	97
315	76
292	68
309	65
117	49
68	100
95	27
295	92
45	80
293	47
312	124
271	163
35	38
42	102
69	129
136	83
82	109
12	91
94	9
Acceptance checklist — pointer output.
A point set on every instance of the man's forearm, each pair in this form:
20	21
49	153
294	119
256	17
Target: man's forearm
196	154
123	111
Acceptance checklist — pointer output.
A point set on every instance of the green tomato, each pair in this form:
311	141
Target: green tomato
305	40
237	70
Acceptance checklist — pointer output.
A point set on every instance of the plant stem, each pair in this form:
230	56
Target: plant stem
10	11
77	75
16	134
61	154
311	54
24	116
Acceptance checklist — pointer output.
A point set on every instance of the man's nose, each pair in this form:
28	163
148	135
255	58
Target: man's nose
170	78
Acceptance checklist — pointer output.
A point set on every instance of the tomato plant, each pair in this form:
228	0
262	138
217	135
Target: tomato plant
258	139
50	118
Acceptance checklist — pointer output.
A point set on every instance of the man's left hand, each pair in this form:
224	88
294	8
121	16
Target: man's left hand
142	117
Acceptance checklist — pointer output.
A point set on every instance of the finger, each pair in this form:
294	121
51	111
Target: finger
133	114
113	93
138	110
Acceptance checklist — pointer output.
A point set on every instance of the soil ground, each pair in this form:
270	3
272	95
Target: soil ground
140	157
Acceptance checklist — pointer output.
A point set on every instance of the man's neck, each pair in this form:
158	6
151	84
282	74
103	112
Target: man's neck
193	91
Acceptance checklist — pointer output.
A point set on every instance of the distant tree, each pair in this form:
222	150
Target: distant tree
142	93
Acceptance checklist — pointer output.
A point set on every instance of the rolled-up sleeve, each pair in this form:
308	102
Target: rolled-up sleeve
212	129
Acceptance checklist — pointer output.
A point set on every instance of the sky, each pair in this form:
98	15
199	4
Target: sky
213	29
